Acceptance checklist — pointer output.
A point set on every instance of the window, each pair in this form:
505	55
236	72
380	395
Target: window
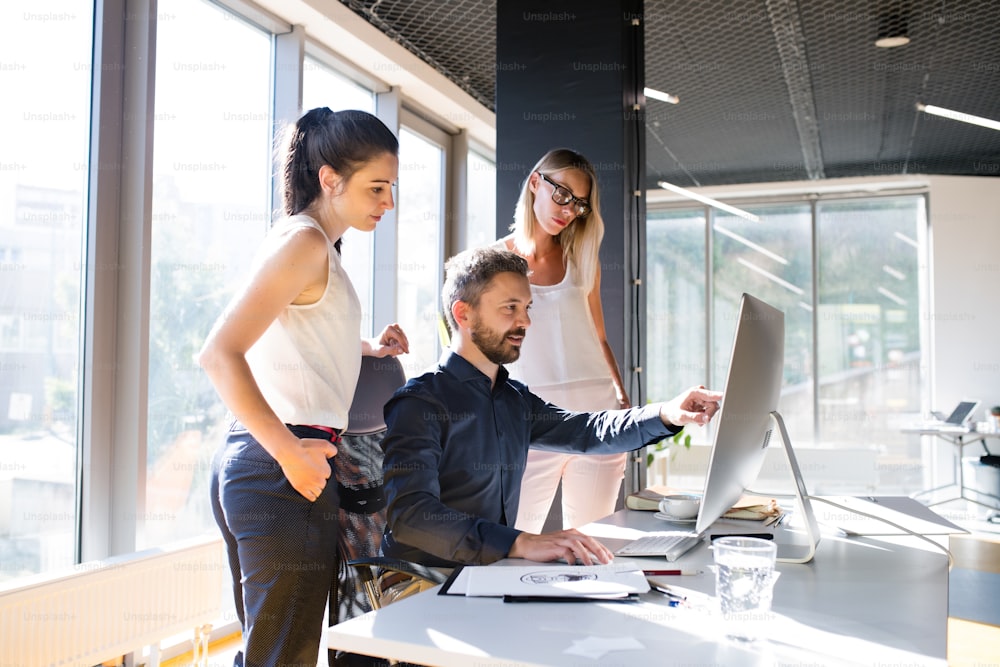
481	202
772	260
324	87
211	184
675	306
868	332
420	241
45	49
852	351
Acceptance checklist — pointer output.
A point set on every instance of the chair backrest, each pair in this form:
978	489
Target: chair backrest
379	378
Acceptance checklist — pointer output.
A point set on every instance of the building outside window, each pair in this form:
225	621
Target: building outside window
45	51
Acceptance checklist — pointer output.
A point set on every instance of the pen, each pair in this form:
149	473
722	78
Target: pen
669	573
666	591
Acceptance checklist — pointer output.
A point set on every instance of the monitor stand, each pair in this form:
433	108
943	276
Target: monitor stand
797	553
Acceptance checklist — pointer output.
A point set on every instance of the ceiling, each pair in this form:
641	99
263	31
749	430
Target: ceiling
772	90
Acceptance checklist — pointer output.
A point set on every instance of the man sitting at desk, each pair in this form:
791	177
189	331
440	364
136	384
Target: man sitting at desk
458	436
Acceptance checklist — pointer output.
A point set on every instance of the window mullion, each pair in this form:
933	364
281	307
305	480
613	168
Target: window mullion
113	424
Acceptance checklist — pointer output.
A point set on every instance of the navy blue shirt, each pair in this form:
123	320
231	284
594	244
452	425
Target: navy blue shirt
455	450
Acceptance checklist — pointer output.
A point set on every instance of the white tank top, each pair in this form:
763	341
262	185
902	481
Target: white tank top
308	361
561	358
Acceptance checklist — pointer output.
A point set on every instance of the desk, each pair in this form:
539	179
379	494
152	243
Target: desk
860	601
958	441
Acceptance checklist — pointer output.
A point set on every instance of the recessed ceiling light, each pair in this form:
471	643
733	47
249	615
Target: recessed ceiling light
891	41
892	31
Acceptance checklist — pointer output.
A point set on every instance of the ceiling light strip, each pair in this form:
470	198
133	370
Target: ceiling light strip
958	115
658	95
750	244
770	276
892	296
708	200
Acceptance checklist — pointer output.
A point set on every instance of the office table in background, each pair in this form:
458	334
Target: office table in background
958	441
860	601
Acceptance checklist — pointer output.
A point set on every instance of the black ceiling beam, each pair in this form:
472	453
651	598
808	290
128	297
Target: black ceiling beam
791	42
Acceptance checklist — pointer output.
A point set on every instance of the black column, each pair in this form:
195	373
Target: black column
571	74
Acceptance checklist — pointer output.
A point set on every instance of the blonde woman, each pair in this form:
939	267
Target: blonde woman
567	359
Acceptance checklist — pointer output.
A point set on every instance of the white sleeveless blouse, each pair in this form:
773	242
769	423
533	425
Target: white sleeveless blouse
561	357
308	361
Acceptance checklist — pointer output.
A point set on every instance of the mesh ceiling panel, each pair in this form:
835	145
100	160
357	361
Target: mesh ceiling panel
772	90
455	37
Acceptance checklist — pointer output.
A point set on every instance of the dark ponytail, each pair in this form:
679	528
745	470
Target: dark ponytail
344	140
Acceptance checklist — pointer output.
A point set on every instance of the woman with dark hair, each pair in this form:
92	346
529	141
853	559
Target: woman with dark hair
284	357
566	359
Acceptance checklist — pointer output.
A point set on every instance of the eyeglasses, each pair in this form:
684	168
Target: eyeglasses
562	196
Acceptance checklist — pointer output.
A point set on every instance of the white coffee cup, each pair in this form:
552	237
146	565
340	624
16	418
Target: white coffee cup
680	505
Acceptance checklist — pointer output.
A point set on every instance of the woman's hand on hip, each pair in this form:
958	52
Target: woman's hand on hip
308	468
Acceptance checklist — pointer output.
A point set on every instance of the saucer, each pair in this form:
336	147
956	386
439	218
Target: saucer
667	517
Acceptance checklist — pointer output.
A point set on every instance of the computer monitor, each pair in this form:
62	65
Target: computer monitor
746	422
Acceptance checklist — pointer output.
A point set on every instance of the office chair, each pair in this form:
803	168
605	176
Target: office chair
362	512
358	470
379	378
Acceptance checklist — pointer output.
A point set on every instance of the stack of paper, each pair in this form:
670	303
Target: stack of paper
755	508
748	507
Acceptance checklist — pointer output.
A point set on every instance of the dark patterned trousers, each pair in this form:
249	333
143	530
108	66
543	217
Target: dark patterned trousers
282	551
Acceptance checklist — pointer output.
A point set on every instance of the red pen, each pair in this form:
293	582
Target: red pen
668	573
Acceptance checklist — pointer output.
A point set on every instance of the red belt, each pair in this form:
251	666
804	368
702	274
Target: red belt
334	434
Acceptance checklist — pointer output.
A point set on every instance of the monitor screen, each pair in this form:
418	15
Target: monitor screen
743	425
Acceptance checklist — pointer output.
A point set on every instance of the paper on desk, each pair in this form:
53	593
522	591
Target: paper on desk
595	648
555	580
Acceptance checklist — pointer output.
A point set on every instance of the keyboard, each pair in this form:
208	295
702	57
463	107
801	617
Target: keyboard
672	546
939	427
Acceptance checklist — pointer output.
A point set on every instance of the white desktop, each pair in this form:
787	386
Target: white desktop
849	600
860	601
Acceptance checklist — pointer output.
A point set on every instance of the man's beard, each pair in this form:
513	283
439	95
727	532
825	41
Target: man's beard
494	346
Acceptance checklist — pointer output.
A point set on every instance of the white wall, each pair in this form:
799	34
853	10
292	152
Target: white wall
965	290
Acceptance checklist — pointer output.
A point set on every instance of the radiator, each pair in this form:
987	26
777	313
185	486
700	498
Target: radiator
104	609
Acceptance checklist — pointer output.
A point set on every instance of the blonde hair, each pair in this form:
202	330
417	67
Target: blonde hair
581	240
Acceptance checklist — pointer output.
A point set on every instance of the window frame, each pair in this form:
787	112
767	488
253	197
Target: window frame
814	201
433	134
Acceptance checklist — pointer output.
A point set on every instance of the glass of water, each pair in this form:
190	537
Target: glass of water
744	583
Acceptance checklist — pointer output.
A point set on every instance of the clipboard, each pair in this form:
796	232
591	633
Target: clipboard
546	582
449	586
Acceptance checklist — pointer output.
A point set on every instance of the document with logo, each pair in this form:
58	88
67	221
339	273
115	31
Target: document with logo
548	582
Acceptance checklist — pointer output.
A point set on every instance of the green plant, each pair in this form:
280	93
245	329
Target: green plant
680	438
995	410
